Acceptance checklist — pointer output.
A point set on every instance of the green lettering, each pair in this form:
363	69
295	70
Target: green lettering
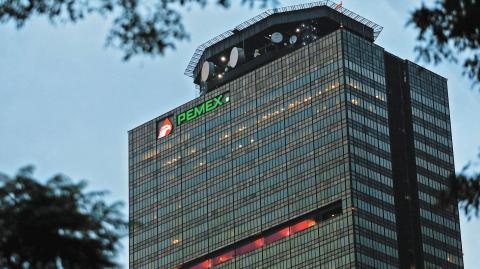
200	109
218	100
190	114
180	118
209	105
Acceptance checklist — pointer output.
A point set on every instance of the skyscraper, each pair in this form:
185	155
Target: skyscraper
309	147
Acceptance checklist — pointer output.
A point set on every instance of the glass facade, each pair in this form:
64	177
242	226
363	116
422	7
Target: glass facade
370	155
434	162
251	184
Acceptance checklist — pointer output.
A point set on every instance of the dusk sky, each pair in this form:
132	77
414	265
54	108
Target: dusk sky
67	101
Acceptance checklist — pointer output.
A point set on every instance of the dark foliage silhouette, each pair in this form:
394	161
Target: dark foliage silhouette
464	189
57	224
449	29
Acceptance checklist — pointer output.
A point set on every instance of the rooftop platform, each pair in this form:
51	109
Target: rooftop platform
327	15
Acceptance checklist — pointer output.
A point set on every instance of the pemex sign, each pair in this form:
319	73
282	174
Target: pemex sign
197	111
165	126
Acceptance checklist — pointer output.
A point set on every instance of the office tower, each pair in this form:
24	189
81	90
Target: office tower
309	147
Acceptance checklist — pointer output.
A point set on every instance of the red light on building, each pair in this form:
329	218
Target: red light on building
277	235
256	244
165	128
203	265
223	258
249	247
259	242
302	226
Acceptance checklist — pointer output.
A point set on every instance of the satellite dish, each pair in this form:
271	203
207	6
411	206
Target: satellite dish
208	69
237	56
277	37
293	39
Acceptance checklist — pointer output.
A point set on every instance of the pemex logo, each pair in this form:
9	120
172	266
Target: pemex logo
164	128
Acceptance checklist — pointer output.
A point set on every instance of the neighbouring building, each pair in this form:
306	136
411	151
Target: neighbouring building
309	147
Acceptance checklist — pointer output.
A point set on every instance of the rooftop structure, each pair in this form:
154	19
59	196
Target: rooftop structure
255	33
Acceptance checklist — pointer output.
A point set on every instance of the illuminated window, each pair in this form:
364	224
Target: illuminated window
249	247
260	241
223	258
302	226
277	235
203	265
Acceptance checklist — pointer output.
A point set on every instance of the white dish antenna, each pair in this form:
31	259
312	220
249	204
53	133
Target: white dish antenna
277	37
237	57
208	70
